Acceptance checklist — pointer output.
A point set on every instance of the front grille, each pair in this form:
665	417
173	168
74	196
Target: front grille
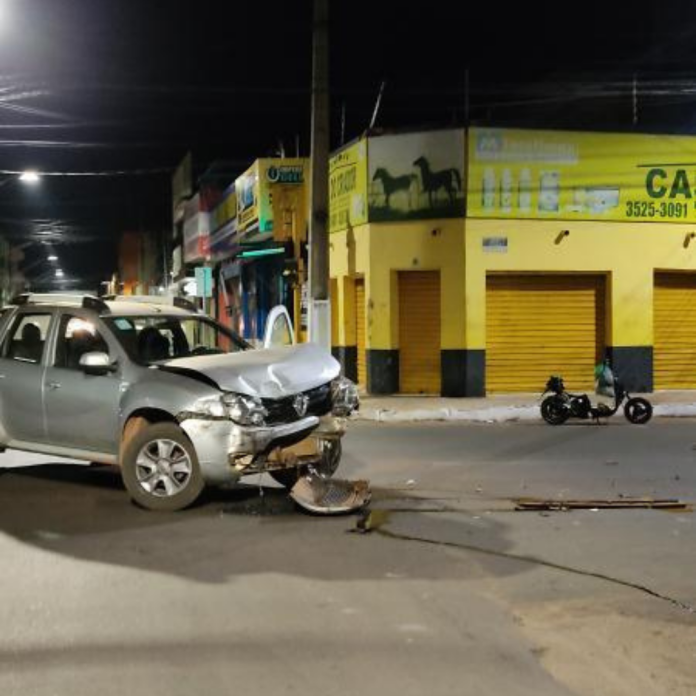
283	411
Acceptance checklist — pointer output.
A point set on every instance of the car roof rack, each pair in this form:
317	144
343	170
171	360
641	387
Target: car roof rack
183	303
84	301
95	303
180	302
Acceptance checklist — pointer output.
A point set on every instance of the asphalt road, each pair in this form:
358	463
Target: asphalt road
453	592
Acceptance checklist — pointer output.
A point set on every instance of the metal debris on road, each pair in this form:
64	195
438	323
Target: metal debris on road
371	521
522	504
330	496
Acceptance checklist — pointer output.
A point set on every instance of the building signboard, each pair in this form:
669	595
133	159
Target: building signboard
416	176
581	176
261	190
348	187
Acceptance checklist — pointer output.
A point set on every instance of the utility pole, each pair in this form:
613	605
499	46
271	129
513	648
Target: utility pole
319	304
466	97
165	265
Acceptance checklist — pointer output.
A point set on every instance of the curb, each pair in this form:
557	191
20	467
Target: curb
498	414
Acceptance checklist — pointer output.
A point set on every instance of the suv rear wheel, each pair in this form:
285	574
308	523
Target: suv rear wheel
160	469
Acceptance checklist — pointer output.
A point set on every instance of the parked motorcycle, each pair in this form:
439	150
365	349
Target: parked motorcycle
561	405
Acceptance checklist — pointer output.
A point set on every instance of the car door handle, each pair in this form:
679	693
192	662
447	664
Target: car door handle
54	385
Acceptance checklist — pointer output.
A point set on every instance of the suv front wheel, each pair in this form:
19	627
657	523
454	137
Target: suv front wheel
160	468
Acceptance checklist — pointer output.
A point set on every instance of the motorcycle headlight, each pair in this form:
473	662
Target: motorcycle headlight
344	397
245	410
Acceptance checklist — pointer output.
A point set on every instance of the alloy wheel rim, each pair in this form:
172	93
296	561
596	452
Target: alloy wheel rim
163	468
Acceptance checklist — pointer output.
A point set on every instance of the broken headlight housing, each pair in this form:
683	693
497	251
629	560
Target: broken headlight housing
210	407
245	410
344	397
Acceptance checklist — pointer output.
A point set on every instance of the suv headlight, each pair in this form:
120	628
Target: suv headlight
209	407
344	397
245	410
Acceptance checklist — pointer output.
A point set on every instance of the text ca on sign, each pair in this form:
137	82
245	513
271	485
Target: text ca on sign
677	183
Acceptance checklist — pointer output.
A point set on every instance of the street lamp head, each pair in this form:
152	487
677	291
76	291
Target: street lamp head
30	177
52	258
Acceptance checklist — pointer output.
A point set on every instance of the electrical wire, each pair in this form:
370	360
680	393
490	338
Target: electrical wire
105	173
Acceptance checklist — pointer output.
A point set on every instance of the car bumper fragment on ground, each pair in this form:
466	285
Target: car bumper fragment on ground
330	496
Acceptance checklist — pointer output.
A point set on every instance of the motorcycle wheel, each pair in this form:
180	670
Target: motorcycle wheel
638	410
554	411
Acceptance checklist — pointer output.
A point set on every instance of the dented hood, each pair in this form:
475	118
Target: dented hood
268	373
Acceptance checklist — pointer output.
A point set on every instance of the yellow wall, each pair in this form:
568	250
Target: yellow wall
349	258
377	252
628	253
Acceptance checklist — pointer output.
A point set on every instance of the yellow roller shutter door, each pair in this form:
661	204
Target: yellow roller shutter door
360	330
675	331
543	325
419	332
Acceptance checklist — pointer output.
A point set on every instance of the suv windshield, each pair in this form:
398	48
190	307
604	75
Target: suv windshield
151	339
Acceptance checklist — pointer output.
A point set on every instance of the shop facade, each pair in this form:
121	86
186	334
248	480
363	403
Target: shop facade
224	246
567	248
258	244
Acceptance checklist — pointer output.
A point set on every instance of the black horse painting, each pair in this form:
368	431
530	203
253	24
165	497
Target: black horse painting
448	179
392	184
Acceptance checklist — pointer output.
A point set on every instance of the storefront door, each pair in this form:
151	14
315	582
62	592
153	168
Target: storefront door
419	332
675	331
542	325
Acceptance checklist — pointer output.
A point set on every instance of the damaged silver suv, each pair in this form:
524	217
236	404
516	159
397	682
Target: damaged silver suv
172	397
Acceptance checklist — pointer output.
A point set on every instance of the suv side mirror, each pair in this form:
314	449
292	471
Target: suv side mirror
96	363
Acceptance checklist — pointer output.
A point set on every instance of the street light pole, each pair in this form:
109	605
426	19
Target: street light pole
319	304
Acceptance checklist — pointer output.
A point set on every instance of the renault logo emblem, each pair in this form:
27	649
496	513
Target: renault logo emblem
300	403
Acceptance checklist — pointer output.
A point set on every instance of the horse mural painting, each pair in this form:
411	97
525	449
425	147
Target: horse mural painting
448	179
393	184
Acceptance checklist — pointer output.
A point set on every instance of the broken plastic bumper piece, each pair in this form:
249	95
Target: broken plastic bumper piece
330	496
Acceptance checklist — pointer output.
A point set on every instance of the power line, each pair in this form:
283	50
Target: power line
105	173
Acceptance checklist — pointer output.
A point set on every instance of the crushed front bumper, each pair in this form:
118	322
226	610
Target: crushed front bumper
226	449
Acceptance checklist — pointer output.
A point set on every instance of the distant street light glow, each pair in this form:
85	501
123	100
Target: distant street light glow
52	258
59	273
30	177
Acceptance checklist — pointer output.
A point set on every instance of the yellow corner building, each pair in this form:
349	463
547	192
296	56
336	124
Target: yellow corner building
470	263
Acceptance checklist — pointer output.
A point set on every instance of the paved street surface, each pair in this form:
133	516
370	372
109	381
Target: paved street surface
453	592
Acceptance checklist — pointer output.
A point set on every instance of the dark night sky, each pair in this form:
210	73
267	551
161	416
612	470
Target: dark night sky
94	85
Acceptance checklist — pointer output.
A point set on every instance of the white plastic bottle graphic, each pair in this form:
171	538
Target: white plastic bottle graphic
506	191
549	194
488	195
524	191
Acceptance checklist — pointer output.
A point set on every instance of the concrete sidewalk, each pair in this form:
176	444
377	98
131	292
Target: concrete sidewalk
498	408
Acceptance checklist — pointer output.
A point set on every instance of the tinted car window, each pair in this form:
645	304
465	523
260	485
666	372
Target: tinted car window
77	336
26	339
149	339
